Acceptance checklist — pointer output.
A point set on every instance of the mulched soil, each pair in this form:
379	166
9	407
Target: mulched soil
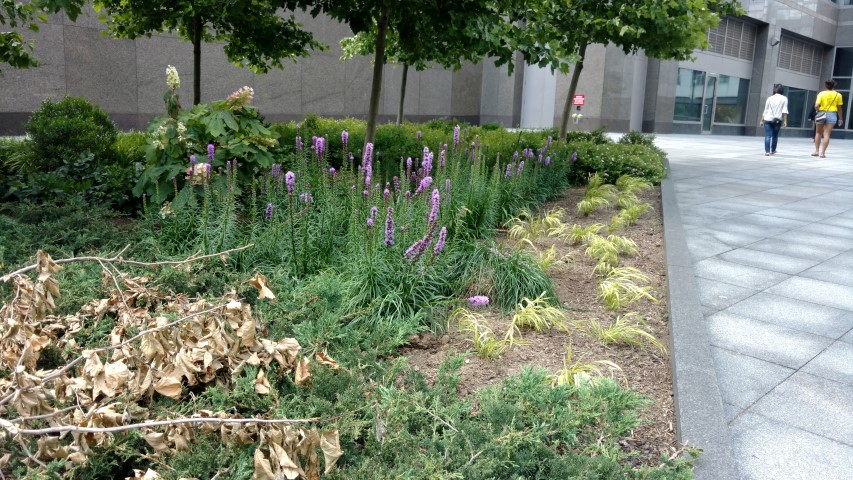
646	370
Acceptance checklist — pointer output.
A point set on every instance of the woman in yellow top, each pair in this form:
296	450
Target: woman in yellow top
829	114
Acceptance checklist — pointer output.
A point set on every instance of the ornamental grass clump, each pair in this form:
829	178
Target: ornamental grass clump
629	329
623	286
538	315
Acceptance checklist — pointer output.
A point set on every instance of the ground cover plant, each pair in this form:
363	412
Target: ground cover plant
252	324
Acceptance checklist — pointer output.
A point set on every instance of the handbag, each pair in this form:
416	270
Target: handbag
821	115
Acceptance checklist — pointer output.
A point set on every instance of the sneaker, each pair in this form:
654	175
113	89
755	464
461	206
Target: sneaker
766	154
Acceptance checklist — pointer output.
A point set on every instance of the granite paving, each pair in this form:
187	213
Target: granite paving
769	241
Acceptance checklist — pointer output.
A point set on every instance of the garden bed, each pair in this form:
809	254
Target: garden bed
645	370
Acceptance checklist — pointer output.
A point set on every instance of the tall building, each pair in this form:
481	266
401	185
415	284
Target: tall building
796	43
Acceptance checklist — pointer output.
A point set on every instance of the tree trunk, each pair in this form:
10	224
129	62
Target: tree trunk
378	67
573	87
197	25
402	94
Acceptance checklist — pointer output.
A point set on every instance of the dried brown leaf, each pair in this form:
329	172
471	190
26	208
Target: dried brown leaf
325	359
331	446
260	282
169	386
263	467
303	371
157	440
262	385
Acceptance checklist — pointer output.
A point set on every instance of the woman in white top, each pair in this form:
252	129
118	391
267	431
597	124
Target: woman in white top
774	118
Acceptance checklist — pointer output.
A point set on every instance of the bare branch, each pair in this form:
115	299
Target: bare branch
164	423
117	259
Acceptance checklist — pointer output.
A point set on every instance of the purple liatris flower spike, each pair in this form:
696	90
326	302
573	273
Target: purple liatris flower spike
385	194
210	150
344	139
530	153
389	228
539	159
208	168
439	244
192	160
515	156
396	181
574	157
418	134
447	184
508	170
442	156
268	212
408	195
373	212
368	153
306	197
408	165
433	211
370	222
290	181
456	136
548	143
298	143
416	250
332	172
478	301
320	147
521	167
426	182
547	160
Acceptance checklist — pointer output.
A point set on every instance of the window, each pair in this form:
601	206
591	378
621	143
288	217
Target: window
733	38
800	56
732	93
689	90
797	107
843	62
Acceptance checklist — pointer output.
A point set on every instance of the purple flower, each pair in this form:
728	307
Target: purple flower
574	157
290	180
442	156
385	195
396	181
547	160
426	164
368	153
332	172
208	168
539	159
515	156
389	228
320	147
478	301
370	222
299	144
306	197
418	135
366	193
210	150
508	173
373	212
439	244
408	165
433	212
455	137
344	138
416	250
408	195
426	182
268	212
548	143
447	184
520	167
192	160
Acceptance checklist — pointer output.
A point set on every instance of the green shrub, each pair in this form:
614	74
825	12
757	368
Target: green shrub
62	131
597	136
637	138
235	129
611	161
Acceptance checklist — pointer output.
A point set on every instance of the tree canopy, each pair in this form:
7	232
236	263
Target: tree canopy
556	33
257	34
14	49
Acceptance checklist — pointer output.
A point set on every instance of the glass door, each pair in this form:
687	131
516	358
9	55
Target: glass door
709	104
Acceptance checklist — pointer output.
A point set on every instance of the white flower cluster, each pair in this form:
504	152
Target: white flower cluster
241	97
172	79
161	140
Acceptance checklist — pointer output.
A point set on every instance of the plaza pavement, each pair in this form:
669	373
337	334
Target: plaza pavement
760	261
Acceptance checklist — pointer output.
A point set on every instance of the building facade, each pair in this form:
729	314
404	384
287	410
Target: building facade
796	43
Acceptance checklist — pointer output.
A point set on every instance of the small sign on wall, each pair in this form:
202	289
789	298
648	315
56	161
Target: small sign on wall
578	100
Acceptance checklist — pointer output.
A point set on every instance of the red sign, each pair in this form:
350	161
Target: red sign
577	100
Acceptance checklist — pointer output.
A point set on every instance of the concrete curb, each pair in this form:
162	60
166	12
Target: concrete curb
698	404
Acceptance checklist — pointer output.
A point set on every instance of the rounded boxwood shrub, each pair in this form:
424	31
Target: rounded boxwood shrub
61	131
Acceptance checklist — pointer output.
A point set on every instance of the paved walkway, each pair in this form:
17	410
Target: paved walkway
762	304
